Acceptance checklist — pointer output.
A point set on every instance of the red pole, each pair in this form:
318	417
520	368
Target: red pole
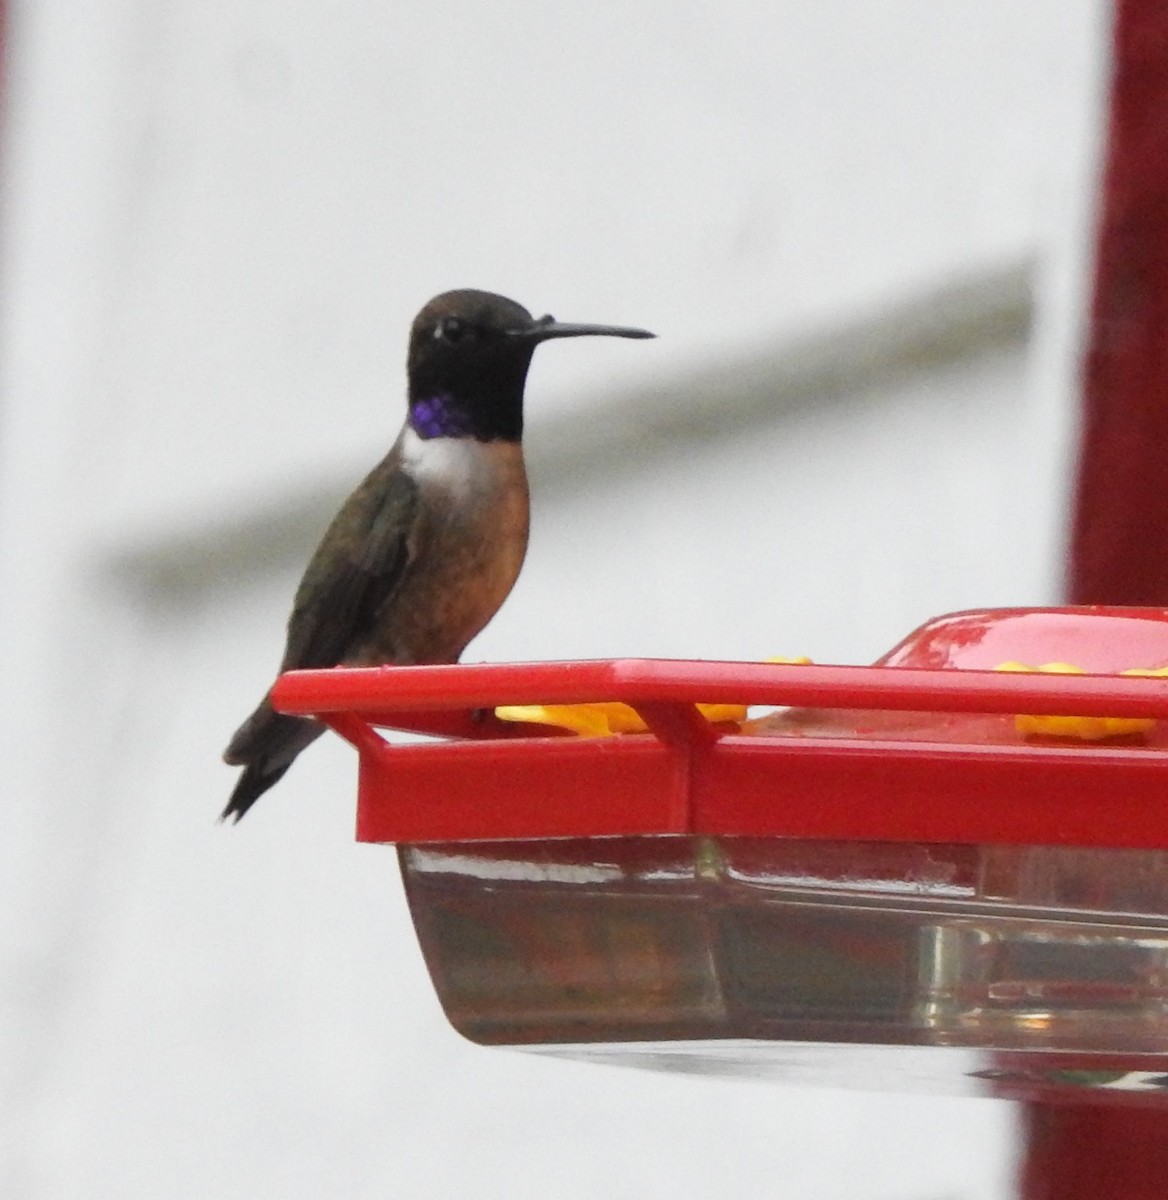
1095	1153
1119	545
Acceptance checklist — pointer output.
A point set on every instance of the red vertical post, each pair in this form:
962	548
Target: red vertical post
1095	1153
1119	542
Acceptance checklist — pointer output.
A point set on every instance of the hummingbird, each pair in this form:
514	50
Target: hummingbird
420	557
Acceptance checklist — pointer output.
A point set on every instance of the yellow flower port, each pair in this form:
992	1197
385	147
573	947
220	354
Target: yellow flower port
611	717
604	719
1084	729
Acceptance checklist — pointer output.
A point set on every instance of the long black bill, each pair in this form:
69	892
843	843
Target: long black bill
547	328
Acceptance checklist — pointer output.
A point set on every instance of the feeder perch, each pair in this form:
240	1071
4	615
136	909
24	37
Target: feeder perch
946	871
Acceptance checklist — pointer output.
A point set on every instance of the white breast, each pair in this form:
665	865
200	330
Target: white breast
460	467
469	541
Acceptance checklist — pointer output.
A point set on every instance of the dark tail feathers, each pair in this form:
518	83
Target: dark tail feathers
265	745
257	777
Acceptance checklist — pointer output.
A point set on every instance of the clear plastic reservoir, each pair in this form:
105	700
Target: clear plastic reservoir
729	954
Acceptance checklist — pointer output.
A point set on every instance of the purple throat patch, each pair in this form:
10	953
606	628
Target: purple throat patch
438	416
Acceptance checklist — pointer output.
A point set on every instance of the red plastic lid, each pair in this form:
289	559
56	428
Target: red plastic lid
921	746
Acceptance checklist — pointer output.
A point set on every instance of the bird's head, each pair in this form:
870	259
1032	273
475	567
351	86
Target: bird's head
468	359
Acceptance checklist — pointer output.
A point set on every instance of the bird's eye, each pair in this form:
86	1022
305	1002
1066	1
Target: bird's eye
451	329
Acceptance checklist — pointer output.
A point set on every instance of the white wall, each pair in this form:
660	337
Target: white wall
218	221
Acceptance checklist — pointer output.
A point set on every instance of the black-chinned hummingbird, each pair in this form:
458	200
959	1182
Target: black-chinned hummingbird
423	553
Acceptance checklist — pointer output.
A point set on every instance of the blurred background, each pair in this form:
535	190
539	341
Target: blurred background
861	231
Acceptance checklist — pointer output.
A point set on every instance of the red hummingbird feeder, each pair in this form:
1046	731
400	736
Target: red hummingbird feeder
902	875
